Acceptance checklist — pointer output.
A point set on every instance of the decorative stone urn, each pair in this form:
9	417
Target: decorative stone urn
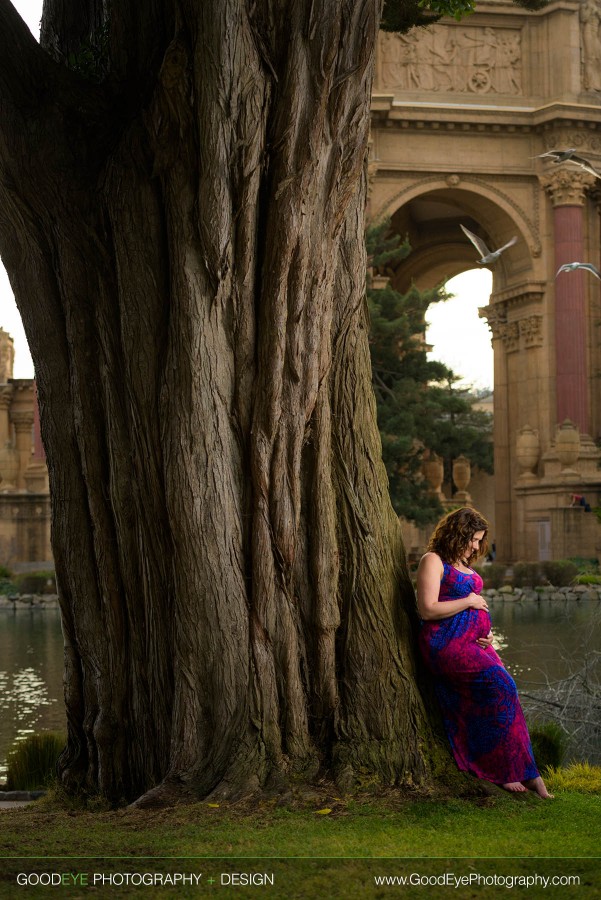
527	452
433	469
462	473
567	446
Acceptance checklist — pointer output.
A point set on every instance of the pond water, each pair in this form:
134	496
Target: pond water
546	639
553	650
31	676
539	642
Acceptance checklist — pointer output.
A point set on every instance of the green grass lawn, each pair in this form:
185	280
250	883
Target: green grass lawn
315	845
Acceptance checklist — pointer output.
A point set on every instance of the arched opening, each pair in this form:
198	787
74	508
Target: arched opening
440	250
459	337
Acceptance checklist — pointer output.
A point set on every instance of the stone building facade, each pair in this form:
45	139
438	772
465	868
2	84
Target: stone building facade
24	494
462	113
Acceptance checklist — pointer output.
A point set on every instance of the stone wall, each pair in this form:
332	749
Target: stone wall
24	491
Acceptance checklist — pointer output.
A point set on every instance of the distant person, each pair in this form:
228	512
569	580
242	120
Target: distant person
481	711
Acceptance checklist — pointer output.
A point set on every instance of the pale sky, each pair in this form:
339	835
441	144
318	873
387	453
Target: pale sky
459	337
10	320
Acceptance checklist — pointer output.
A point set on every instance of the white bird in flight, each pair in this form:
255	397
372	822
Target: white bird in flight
488	256
569	156
558	156
569	267
584	164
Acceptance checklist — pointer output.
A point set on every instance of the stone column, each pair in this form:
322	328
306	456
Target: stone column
515	318
7	356
36	476
6	393
9	458
567	188
23	421
502	338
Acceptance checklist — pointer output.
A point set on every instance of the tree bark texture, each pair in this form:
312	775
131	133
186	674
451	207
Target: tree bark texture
181	215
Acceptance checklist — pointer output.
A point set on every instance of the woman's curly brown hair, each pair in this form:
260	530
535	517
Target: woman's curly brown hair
453	533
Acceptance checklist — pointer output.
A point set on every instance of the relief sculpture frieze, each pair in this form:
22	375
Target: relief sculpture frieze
590	26
473	60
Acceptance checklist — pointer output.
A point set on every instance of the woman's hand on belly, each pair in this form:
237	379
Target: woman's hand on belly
485	641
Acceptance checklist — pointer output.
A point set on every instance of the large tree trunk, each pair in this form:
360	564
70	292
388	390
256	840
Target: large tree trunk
182	222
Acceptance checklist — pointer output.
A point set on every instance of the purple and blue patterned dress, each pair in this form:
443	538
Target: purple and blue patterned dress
482	714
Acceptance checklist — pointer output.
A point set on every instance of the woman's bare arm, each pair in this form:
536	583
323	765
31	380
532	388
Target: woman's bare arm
429	574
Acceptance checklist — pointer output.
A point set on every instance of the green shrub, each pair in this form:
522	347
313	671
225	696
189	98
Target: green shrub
581	777
526	574
549	743
559	572
587	579
493	575
7	585
36	583
31	764
587	565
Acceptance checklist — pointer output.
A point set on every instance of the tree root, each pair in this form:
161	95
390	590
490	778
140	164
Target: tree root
167	793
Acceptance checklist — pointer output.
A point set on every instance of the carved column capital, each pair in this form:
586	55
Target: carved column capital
507	332
519	334
531	330
22	419
496	318
567	186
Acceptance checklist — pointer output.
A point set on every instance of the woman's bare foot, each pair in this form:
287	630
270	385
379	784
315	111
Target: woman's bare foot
538	786
515	786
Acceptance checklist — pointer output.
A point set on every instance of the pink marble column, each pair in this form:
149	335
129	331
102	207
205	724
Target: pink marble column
567	188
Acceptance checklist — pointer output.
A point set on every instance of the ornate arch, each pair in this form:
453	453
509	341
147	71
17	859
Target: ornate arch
477	185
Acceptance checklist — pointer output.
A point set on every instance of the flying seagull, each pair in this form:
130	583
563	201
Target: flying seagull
488	256
569	267
558	156
570	156
584	164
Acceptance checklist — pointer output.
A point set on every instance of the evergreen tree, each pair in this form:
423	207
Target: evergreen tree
459	427
420	406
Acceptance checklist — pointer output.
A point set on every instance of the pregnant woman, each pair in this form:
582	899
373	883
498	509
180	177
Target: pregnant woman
482	714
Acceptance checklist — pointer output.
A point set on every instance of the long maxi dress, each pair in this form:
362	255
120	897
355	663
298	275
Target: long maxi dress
481	711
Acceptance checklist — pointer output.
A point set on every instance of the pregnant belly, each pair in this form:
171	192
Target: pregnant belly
481	624
460	630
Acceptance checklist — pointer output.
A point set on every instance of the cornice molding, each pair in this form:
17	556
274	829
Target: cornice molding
415	115
533	290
